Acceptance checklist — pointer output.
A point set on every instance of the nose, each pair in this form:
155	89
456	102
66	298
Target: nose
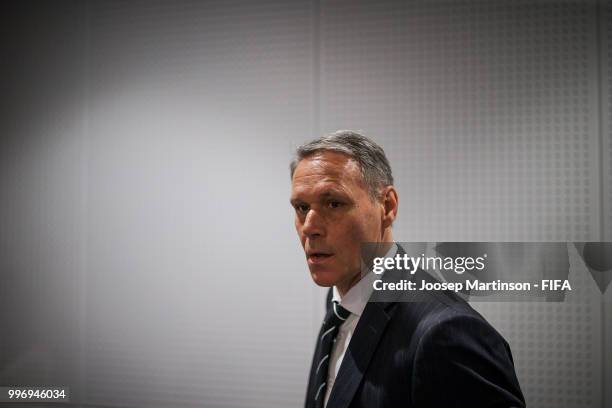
314	225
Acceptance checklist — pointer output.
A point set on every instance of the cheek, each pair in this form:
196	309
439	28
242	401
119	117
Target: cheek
366	225
298	229
358	231
374	226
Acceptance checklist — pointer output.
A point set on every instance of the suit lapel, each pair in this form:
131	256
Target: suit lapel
370	328
357	357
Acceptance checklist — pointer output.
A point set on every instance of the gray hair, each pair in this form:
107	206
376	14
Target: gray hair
371	158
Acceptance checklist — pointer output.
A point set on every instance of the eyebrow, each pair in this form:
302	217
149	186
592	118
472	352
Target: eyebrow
328	192
332	192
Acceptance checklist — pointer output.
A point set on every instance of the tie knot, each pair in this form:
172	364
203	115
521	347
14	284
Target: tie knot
337	315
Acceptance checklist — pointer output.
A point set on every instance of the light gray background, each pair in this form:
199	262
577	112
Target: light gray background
147	249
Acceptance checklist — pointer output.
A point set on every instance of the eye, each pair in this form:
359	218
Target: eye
335	204
301	208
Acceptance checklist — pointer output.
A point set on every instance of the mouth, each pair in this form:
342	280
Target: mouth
314	257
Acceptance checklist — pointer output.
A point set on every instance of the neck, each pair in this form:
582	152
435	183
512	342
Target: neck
385	246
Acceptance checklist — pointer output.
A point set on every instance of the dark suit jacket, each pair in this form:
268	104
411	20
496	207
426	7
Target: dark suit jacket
436	352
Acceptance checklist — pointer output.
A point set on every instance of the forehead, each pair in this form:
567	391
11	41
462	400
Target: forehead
326	169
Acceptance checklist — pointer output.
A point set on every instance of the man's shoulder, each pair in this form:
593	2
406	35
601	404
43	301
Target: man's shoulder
440	314
432	306
436	312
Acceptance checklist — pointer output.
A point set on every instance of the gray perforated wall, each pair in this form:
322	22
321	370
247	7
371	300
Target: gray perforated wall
147	247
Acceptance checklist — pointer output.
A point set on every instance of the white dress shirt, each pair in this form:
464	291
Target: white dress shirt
354	301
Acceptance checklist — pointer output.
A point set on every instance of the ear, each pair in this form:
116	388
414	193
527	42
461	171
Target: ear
389	201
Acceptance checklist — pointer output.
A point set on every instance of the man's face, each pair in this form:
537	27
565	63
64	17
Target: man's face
333	215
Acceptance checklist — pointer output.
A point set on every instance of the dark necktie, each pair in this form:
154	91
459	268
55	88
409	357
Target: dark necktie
317	384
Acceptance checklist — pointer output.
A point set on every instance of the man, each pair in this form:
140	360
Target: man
437	352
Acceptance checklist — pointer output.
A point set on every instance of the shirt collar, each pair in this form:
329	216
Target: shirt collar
356	298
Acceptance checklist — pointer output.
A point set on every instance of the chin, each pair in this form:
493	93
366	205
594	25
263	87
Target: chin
324	278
